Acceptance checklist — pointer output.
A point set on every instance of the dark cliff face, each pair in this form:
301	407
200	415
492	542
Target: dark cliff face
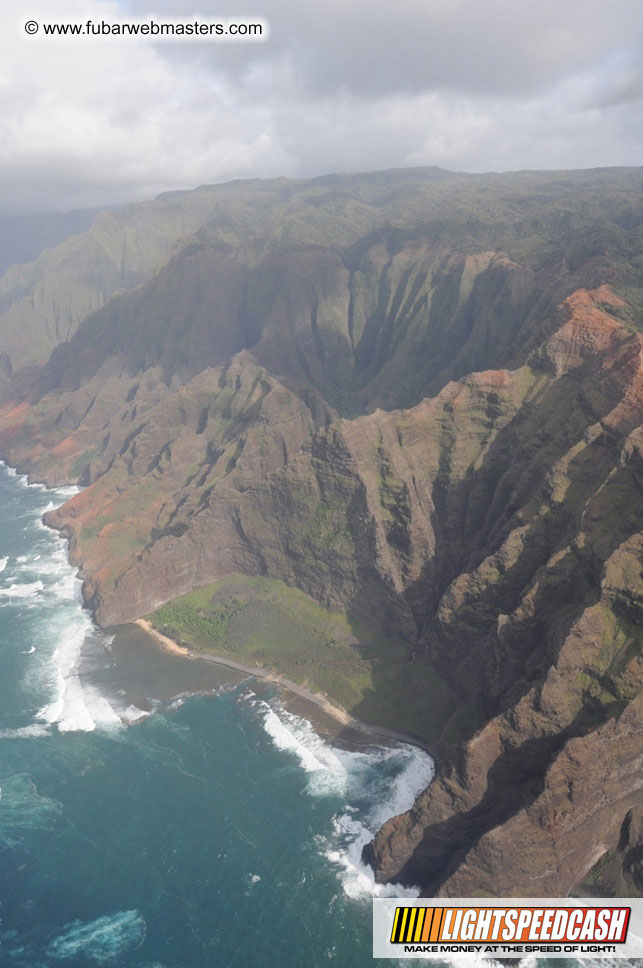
418	400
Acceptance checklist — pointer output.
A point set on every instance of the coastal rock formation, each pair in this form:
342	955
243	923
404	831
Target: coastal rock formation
418	398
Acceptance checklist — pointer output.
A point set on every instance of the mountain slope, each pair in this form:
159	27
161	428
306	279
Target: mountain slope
417	398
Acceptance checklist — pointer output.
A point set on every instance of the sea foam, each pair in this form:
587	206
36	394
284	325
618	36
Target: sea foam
101	940
74	706
22	589
22	806
288	732
377	783
46	581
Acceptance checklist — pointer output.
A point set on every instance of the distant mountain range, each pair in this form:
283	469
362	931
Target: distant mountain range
416	397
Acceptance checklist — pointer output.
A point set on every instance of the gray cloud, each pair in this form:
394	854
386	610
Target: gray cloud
371	47
466	84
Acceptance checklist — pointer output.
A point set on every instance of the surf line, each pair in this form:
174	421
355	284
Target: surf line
336	712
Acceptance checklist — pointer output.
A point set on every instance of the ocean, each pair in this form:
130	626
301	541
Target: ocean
157	812
162	813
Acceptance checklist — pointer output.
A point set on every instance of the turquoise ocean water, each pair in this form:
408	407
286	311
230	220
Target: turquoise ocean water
144	825
162	813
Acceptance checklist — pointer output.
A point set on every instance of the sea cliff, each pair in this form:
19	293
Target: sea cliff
414	398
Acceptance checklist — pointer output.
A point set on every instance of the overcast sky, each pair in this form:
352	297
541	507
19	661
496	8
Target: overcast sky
472	85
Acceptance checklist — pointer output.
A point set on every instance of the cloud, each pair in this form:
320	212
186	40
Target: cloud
375	47
468	85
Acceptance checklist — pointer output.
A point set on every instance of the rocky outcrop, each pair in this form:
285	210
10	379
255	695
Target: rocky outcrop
495	529
521	814
551	645
427	416
148	528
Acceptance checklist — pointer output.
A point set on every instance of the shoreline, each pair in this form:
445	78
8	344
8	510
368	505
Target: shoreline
335	712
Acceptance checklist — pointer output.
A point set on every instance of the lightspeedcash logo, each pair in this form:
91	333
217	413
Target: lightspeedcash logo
458	925
506	927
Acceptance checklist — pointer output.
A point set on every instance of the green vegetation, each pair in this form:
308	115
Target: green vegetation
198	622
611	877
78	465
359	291
263	622
631	314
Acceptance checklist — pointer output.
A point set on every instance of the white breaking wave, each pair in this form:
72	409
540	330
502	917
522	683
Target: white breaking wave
74	706
382	782
352	833
66	491
39	566
22	590
55	589
3	563
288	732
133	715
25	732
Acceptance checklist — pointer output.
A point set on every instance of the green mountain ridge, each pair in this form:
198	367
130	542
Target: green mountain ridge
415	397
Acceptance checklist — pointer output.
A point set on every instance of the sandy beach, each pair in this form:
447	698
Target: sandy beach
335	712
